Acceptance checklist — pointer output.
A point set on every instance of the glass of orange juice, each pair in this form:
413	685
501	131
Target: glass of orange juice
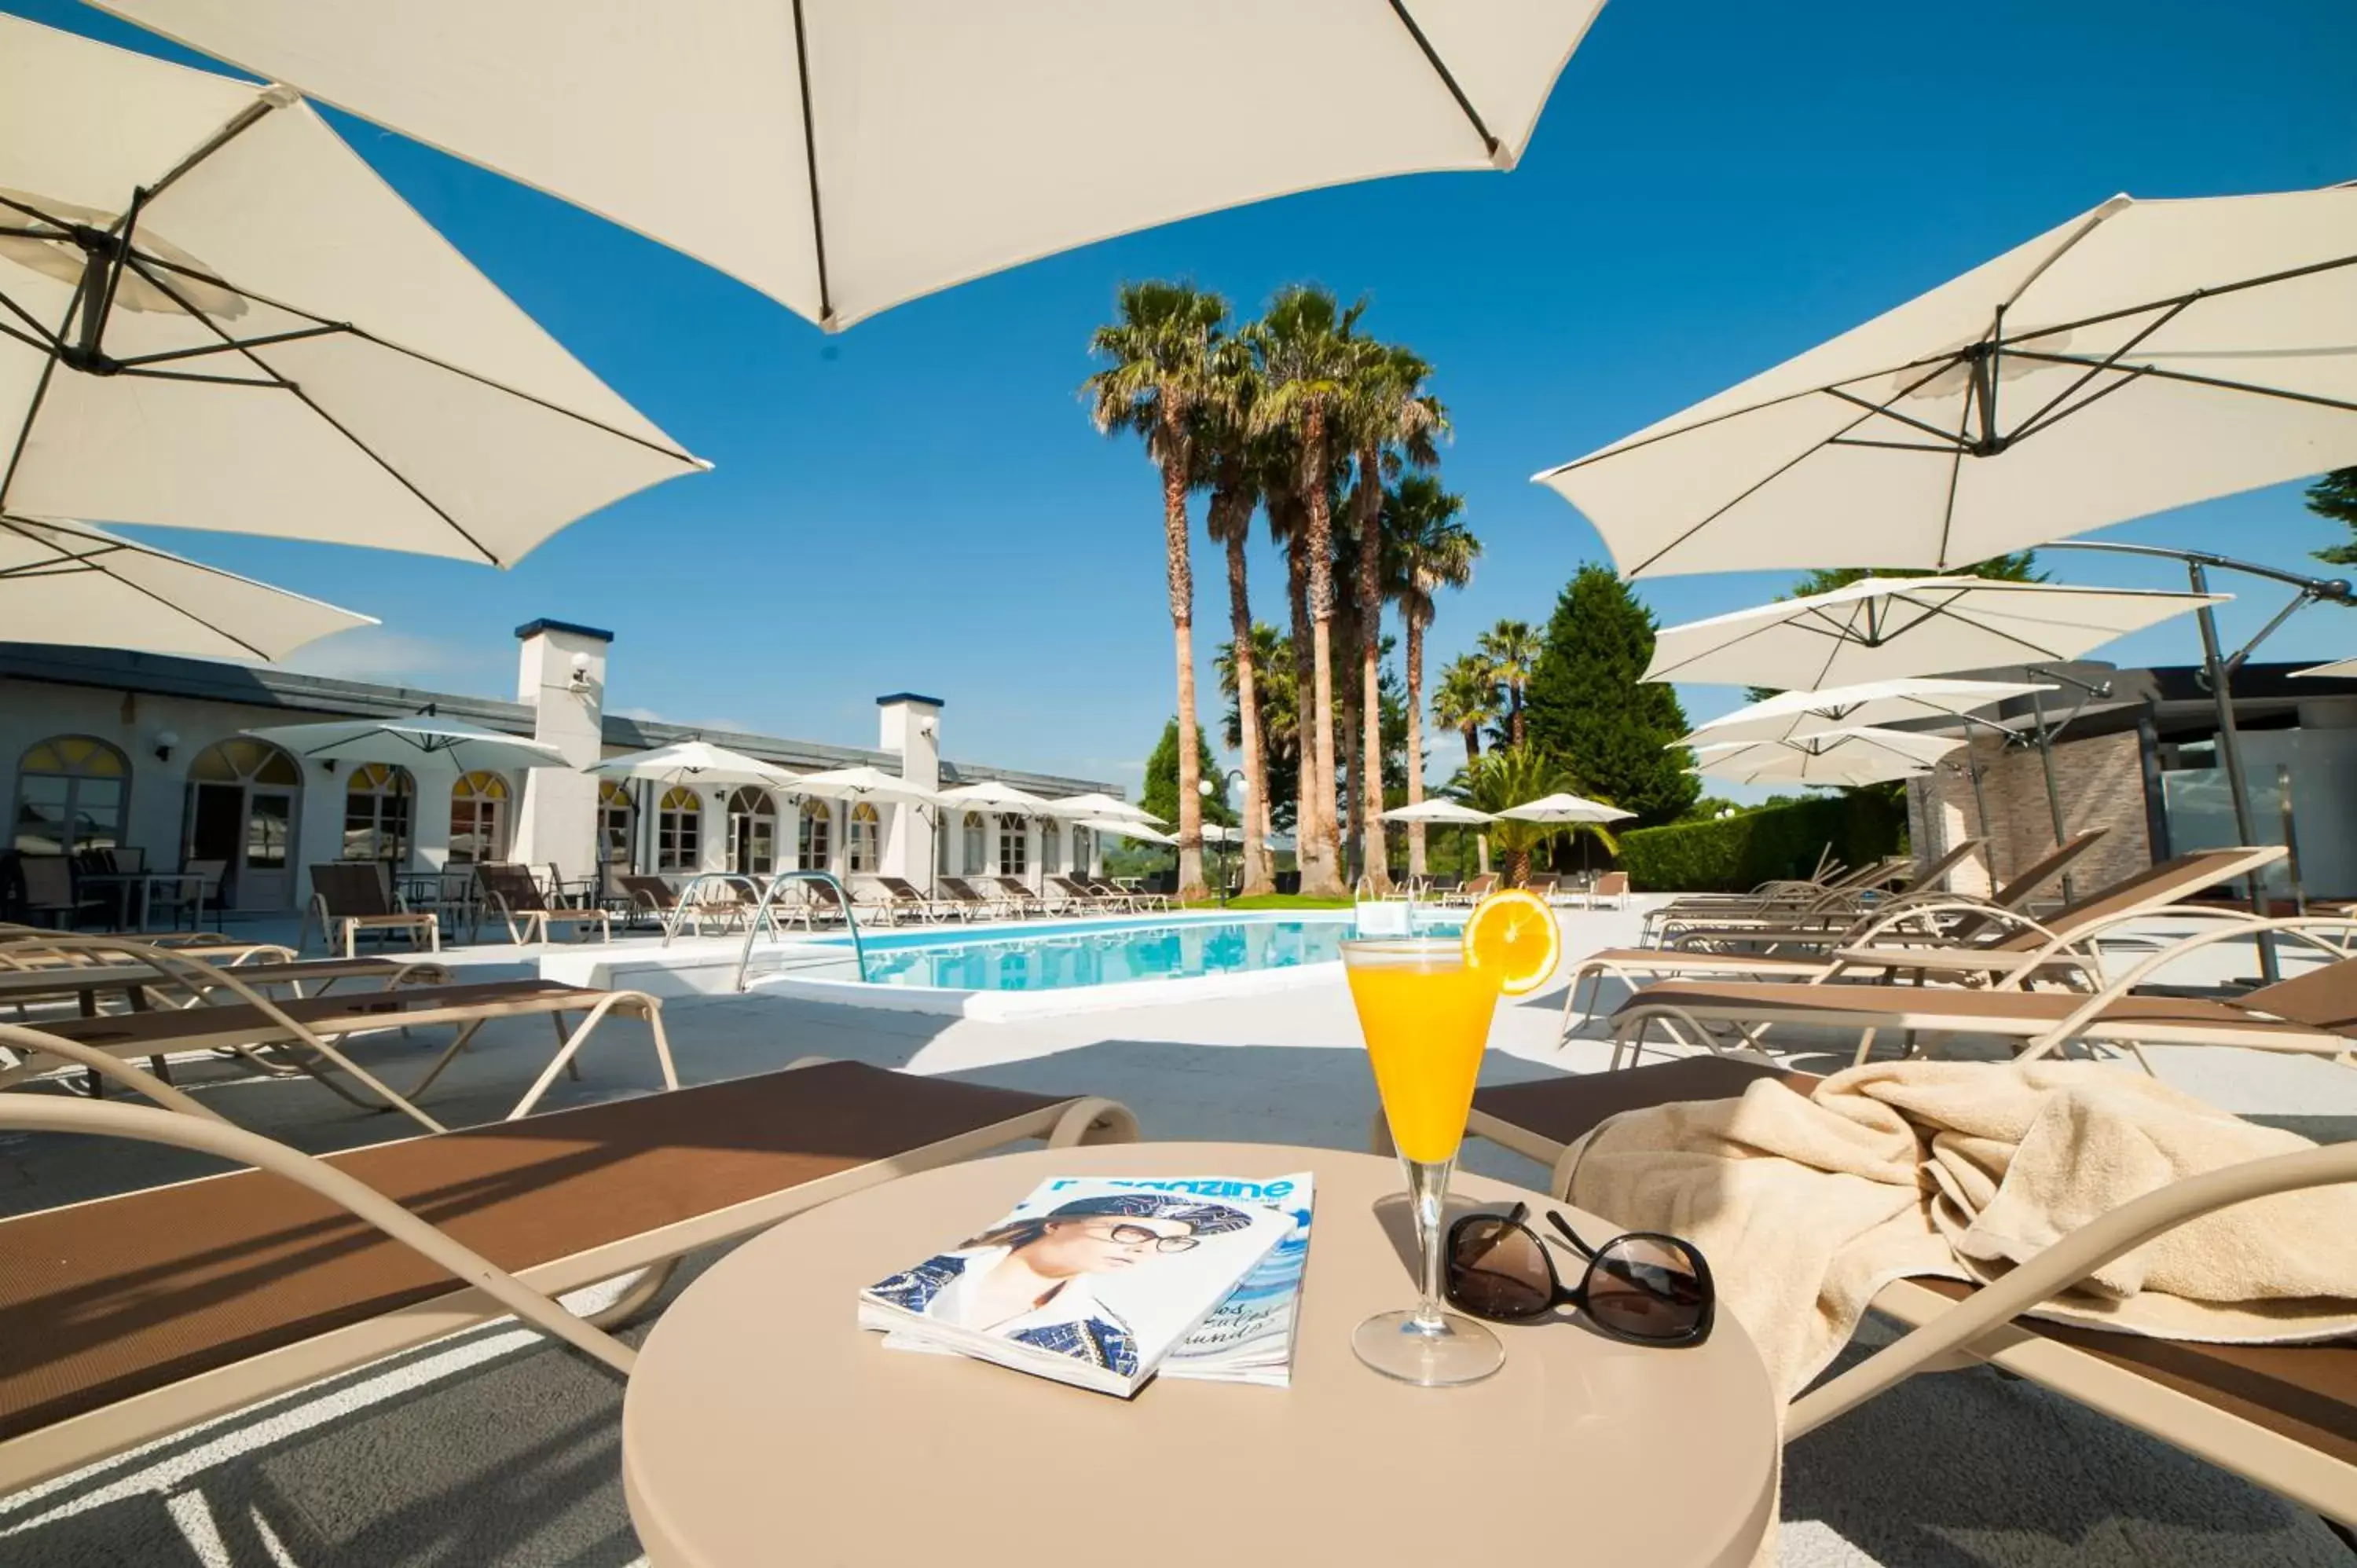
1425	1015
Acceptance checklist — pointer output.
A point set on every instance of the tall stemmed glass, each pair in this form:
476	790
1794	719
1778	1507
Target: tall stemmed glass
1425	1015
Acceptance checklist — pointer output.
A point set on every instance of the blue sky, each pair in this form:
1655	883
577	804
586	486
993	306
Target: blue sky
921	502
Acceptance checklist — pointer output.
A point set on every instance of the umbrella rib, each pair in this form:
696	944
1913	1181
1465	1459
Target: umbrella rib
809	162
90	562
1447	78
293	335
1955	480
1924	426
332	422
2126	378
2288	274
1784	468
2282	393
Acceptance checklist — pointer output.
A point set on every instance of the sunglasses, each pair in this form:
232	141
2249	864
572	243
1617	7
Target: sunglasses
1139	1236
1645	1288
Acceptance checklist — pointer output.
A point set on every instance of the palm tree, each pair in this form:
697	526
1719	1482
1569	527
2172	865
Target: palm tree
1158	375
1512	648
1271	654
1504	779
1423	524
1467	700
1233	468
1389	421
1306	355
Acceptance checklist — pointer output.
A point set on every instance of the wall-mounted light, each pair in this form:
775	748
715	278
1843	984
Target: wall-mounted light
927	726
165	741
580	673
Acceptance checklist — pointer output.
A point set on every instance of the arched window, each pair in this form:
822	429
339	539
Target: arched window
479	819
376	813
815	840
1013	849
752	831
70	792
862	838
1048	836
973	834
679	830
616	817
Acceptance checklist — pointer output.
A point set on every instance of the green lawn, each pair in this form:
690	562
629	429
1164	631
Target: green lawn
1276	901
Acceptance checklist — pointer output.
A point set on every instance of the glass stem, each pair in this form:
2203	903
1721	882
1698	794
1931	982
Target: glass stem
1427	1185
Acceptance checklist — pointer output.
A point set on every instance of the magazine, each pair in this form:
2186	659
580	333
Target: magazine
1089	1281
1248	1338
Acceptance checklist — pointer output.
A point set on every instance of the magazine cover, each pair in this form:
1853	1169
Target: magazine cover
1248	1338
1089	1280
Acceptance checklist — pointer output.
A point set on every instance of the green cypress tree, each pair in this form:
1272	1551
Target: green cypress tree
1588	703
2335	496
1160	795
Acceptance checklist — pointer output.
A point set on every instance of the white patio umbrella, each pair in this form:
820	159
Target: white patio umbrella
2343	668
994	795
69	582
1566	807
1123	827
2142	356
844	156
1437	810
214	315
1792	715
405	740
851	783
1097	804
695	762
1862	755
1881	628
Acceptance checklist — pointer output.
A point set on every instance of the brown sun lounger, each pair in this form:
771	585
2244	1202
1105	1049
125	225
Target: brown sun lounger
1832	911
2313	1012
1783	897
147	1313
270	1034
2283	1416
513	894
350	897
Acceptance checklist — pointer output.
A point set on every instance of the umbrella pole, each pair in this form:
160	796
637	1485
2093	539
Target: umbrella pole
2230	751
2053	795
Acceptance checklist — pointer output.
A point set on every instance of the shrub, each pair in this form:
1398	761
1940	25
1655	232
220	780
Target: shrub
1740	851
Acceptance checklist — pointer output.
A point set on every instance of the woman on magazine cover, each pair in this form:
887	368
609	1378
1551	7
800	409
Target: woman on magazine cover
1029	1281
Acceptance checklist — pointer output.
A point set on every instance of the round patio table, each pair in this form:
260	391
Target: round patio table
763	1425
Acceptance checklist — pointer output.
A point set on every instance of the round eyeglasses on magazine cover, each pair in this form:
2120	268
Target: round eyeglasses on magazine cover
1645	1288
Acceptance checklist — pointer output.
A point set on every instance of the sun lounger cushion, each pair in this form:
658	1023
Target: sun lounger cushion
2003	1012
343	1010
101	1301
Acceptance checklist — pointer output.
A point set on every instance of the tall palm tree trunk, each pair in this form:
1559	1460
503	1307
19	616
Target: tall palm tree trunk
1257	876
1354	794
1414	739
1306	824
1320	875
1374	852
1514	721
1182	637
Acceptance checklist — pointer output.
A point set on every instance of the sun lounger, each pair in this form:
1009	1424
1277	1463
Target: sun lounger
1473	891
1020	899
512	893
88	983
1951	921
308	1032
1778	898
2314	1013
1612	885
973	903
2283	1416
159	1309
348	896
1829	912
1080	896
1139	899
907	898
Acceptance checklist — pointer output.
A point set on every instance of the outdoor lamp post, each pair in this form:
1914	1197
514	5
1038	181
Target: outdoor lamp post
1206	789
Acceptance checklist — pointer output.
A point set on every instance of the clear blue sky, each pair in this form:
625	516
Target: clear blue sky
921	502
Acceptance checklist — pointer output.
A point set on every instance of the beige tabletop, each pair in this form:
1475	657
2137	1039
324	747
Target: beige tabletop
763	1427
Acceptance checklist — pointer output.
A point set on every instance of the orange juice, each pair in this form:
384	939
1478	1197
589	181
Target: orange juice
1426	1030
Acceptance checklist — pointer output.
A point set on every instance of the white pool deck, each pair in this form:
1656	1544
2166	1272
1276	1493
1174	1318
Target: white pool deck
493	1448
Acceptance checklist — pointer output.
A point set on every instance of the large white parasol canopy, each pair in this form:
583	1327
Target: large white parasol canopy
1437	810
1881	628
214	315
1097	804
850	783
1792	716
2144	355
1566	807
2343	668
405	740
695	762
844	155
1862	755
69	582
996	795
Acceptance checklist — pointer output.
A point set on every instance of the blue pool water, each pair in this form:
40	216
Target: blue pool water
1102	952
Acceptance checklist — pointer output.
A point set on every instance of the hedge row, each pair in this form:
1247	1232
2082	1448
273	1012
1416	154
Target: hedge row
1736	853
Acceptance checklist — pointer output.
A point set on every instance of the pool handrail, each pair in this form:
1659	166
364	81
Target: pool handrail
762	913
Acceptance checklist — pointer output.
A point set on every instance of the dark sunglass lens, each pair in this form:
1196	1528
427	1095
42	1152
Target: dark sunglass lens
1496	1269
1645	1289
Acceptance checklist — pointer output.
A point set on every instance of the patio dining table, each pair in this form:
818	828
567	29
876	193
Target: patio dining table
135	890
762	1424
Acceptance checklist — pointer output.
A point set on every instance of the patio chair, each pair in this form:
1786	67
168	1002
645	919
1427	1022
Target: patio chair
2312	1014
1957	938
348	896
52	891
1610	885
159	1309
1545	887
1777	899
2282	1416
273	1035
649	896
512	893
198	889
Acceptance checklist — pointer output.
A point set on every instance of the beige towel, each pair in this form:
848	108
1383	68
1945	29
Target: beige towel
1806	1207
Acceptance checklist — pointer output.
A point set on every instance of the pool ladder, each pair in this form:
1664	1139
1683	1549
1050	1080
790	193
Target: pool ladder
761	916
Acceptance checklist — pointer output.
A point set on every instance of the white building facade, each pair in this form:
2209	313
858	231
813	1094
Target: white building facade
103	749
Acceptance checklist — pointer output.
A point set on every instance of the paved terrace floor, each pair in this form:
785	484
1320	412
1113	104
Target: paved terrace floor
493	1448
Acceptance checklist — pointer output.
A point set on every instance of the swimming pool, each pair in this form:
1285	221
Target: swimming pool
1104	952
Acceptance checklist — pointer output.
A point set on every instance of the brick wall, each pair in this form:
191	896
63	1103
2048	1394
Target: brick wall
2098	780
